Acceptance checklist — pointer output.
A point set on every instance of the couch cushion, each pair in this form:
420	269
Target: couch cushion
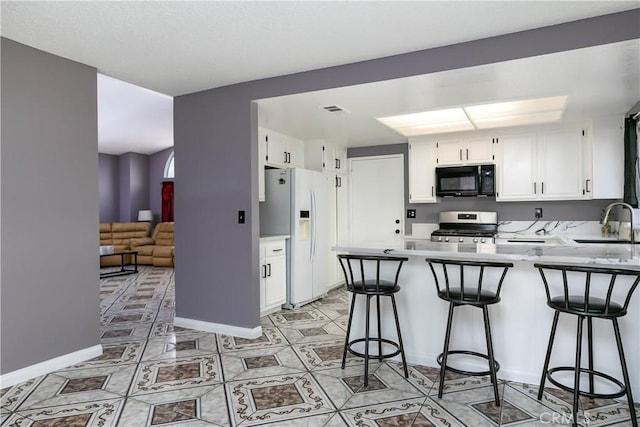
145	250
163	234
163	251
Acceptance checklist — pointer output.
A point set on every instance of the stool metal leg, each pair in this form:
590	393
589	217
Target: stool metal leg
492	363
366	344
590	344
548	356
395	315
346	339
445	351
625	373
379	328
576	378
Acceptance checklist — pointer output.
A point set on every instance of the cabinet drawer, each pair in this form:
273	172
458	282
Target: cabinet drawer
274	248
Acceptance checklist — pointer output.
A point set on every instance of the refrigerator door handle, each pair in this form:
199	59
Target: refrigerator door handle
313	224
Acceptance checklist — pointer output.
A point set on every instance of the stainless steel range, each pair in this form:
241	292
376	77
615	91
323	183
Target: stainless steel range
466	227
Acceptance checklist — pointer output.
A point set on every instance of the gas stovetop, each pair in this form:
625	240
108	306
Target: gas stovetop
466	227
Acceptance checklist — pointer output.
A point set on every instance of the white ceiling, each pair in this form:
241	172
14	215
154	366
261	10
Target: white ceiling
178	47
132	118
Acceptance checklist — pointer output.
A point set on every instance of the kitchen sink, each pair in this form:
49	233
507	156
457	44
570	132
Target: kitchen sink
511	239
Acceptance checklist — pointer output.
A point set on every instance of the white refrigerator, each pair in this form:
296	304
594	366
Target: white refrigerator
296	203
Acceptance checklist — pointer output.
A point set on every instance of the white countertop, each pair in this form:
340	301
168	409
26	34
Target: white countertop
575	253
267	237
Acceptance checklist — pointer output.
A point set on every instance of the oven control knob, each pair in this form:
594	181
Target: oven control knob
475	240
446	239
439	239
460	240
483	240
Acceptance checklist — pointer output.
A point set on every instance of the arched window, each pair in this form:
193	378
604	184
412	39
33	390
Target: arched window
169	171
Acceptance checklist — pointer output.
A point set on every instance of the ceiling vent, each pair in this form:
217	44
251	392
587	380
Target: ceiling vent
335	108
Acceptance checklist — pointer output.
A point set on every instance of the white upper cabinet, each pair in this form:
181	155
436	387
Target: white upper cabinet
605	160
469	150
560	158
543	165
283	151
422	164
323	156
516	167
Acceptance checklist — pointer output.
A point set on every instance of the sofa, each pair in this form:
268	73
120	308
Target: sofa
119	235
157	250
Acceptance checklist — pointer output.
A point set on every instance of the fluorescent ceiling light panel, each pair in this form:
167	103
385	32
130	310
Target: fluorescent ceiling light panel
486	116
439	121
513	113
519	120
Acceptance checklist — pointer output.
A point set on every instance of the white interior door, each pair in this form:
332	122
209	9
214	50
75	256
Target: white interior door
377	199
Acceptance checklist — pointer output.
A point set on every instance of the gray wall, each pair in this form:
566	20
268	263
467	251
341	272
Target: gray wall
108	187
579	210
134	185
50	287
157	163
216	154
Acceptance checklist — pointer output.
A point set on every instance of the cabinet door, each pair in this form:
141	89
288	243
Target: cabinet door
275	289
422	161
276	149
450	153
560	158
295	153
342	210
340	159
478	150
516	167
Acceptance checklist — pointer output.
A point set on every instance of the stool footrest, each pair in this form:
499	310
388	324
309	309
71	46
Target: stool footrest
374	340
621	392
468	353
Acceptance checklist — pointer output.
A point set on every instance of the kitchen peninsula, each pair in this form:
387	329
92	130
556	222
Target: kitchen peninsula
520	323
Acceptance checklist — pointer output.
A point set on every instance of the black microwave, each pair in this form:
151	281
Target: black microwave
465	181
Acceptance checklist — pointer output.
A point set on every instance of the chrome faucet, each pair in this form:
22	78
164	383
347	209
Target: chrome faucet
624	205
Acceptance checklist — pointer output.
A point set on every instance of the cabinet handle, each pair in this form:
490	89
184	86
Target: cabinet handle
535	191
264	271
588	189
288	157
339	181
269	266
461	154
432	191
277	250
467	154
337	163
285	156
543	188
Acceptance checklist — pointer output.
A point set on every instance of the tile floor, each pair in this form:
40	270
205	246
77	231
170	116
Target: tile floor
155	374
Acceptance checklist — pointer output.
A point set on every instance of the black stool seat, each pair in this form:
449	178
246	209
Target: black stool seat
373	287
483	297
576	290
465	283
362	275
597	306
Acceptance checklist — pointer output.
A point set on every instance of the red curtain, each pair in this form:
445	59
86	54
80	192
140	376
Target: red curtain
167	201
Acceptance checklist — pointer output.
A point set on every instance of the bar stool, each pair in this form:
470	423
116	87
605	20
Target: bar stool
469	287
576	290
362	275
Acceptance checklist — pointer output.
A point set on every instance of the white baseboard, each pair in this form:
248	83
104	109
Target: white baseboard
43	368
219	328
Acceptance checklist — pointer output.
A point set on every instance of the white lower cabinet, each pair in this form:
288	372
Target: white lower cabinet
273	274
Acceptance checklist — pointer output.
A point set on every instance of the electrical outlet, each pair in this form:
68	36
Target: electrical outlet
538	213
411	213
